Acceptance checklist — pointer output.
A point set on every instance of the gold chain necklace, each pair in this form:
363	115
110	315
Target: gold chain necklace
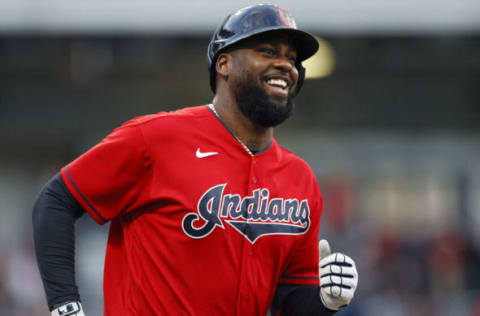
238	140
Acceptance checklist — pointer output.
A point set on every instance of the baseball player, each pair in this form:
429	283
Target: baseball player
208	214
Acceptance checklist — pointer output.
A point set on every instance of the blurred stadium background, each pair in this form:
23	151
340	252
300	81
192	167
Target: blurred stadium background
390	124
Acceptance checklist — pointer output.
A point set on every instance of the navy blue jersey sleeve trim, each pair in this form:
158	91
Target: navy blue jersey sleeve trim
299	300
83	196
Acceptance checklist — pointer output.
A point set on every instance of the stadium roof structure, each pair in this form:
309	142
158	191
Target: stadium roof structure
367	17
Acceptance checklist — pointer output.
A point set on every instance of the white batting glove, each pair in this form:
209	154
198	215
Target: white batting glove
338	277
69	309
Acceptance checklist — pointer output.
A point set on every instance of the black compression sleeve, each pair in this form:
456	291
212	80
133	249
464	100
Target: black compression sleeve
299	300
54	213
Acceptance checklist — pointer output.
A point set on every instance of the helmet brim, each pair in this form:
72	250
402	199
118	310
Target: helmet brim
305	43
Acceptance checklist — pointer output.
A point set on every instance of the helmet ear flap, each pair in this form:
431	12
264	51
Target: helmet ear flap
213	75
301	76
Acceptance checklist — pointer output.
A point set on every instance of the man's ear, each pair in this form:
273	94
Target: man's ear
223	65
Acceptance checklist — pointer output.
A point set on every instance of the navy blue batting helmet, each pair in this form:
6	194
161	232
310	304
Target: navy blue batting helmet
254	20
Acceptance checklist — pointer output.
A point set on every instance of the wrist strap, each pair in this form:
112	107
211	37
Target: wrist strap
70	308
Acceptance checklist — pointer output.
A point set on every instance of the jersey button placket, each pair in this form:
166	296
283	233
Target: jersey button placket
254	185
244	307
253	175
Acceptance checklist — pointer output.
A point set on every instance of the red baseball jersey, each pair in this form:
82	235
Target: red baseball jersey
198	225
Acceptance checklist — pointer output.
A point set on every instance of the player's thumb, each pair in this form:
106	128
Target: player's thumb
323	248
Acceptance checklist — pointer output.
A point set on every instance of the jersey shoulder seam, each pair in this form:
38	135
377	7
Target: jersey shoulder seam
176	114
294	157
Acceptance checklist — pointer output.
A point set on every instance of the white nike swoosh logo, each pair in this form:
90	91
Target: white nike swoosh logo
199	154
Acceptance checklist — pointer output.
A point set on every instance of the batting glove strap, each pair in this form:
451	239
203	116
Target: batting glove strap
68	309
338	280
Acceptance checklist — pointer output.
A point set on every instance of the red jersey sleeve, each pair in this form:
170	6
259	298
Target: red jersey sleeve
112	176
302	266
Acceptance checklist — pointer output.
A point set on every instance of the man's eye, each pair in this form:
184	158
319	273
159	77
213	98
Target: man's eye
268	51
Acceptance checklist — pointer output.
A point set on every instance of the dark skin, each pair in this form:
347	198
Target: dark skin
267	56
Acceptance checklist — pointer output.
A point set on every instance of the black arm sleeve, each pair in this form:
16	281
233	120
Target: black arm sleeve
54	213
299	300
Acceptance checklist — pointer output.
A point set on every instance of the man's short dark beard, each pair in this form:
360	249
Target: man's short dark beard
259	108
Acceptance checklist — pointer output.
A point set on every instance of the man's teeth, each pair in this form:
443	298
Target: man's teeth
277	82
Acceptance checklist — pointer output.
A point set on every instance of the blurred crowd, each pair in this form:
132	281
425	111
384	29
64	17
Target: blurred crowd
406	267
413	238
392	136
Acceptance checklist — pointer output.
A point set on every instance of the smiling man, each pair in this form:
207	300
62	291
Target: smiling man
209	214
262	91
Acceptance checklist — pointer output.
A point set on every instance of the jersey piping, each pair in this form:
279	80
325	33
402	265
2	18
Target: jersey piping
83	196
236	139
